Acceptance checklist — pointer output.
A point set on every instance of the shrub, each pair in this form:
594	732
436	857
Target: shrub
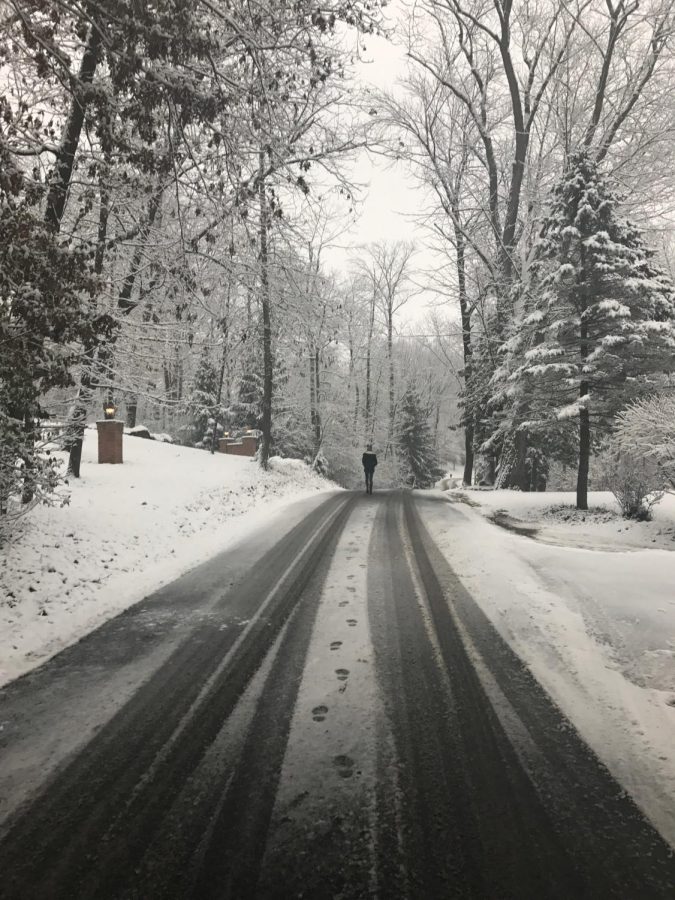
636	484
646	429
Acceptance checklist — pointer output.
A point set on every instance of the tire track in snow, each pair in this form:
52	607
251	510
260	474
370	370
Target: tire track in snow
357	730
472	825
104	805
564	807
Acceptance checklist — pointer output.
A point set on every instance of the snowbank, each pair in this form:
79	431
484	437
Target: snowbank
551	518
292	466
596	626
127	530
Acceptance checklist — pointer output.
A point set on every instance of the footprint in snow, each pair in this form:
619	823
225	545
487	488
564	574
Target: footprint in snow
319	713
344	765
343	603
342	674
351	622
335	645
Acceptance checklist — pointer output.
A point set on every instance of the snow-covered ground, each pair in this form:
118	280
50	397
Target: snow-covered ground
126	530
556	520
588	601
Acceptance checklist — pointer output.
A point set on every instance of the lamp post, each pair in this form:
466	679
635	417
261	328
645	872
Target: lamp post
109	410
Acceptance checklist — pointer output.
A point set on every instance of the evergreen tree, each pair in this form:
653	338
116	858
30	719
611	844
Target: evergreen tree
203	404
248	407
598	323
415	440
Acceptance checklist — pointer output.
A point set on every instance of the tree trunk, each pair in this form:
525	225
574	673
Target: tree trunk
227	371
78	416
132	411
468	453
467	348
268	362
368	400
357	400
224	367
352	381
63	171
85	390
317	408
584	418
368	409
312	389
124	302
28	489
584	456
56	204
518	476
221	379
390	349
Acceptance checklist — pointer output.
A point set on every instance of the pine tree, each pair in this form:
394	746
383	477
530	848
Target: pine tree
203	404
599	317
248	407
415	441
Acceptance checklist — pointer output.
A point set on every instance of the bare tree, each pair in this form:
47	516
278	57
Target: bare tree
387	269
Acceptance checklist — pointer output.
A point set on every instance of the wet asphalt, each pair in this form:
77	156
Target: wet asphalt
148	760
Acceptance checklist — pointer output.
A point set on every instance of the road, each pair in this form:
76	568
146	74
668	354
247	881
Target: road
334	718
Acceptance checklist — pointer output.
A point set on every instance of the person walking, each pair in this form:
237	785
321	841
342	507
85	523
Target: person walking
369	461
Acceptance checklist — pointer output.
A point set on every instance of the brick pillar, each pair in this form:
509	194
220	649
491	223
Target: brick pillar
110	433
250	445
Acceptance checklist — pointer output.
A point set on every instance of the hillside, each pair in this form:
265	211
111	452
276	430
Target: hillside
122	531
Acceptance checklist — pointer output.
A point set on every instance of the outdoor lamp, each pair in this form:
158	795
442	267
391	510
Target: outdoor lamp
109	410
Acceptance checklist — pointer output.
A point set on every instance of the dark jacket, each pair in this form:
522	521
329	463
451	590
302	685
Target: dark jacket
369	461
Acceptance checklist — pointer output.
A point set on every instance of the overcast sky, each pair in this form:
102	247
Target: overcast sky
390	198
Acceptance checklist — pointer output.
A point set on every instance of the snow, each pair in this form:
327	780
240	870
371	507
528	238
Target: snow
549	369
601	527
534	317
543	353
613	308
598	241
334	725
587	601
280	464
126	530
572	410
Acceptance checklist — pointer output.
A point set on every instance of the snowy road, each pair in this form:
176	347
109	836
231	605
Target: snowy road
329	717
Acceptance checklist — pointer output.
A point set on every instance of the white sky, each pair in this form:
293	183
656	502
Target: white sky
390	198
